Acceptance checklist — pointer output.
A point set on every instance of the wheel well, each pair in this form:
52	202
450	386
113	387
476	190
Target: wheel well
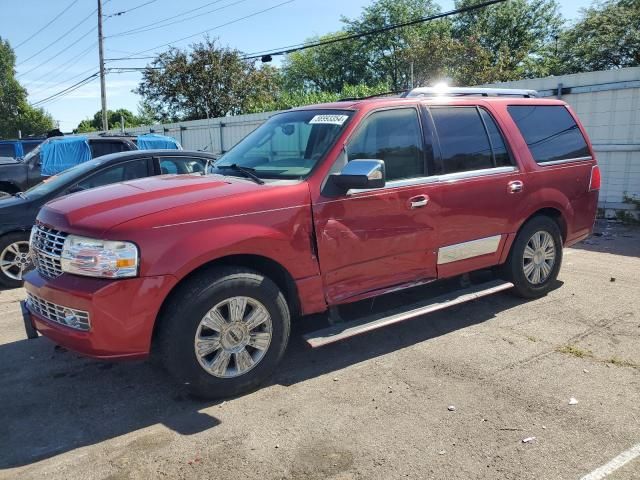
266	266
556	216
8	187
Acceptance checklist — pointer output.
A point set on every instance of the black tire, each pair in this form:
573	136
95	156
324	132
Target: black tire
514	268
6	240
181	318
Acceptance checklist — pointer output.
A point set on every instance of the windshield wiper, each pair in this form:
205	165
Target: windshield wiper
20	195
248	172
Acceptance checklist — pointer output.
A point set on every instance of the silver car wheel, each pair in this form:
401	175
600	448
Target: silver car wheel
233	337
15	260
539	257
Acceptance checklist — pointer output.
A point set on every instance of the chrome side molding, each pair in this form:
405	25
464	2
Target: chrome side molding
473	248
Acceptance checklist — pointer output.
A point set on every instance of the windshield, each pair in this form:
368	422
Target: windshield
61	180
288	145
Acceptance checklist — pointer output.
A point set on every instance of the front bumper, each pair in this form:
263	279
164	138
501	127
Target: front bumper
122	313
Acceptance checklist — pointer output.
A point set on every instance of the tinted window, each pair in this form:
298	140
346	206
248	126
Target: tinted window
500	153
464	144
395	137
550	132
180	165
99	148
120	173
28	146
7	150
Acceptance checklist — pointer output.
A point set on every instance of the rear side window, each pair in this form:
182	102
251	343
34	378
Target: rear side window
550	132
500	153
464	144
100	148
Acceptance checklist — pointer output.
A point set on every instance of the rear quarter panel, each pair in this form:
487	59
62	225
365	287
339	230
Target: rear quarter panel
563	186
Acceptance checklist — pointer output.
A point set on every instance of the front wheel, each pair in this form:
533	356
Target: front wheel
224	332
14	259
535	258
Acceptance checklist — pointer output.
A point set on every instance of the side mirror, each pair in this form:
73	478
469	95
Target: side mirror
361	174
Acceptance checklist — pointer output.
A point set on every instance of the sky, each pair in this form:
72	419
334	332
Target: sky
65	51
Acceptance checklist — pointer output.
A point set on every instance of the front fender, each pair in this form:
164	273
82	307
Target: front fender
282	235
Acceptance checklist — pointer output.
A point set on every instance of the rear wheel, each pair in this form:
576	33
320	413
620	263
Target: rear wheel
535	258
14	259
224	332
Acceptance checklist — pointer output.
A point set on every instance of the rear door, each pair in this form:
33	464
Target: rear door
373	240
480	187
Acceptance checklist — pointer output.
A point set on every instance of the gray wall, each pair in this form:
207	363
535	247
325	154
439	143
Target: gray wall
608	104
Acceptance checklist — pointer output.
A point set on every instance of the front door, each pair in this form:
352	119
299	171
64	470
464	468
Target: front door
373	240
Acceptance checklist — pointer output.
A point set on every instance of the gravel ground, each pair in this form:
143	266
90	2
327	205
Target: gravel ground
373	407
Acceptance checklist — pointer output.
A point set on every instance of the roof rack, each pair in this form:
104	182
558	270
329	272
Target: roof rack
470	91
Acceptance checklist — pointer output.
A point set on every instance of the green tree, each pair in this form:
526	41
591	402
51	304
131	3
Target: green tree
114	117
207	80
15	112
328	68
389	57
606	36
518	37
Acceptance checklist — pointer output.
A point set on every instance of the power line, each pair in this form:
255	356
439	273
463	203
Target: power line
117	14
177	21
49	23
61	69
54	57
173	17
60	38
294	48
67	90
216	27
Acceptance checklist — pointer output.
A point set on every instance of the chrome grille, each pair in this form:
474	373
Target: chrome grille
69	317
46	247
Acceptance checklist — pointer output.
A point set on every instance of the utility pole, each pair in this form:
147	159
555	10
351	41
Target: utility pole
103	92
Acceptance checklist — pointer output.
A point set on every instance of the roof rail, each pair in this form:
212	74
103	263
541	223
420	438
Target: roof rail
471	91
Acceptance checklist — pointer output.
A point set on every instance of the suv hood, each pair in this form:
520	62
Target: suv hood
95	211
8	161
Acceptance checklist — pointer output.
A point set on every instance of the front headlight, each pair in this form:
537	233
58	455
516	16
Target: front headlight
99	258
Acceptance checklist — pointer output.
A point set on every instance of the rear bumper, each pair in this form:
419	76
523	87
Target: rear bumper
122	313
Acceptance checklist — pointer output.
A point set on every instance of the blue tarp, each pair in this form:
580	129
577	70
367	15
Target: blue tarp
151	141
58	154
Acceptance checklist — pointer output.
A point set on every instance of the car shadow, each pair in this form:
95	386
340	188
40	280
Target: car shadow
54	401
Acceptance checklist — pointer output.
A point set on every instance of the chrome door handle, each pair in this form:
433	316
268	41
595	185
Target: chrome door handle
419	201
515	186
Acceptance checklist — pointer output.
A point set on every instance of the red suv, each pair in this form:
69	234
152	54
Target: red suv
319	207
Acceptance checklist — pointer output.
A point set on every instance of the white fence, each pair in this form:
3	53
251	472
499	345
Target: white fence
607	102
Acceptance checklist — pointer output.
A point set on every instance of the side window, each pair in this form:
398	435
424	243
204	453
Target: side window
550	132
395	137
500	153
99	148
28	146
7	150
464	144
180	165
120	173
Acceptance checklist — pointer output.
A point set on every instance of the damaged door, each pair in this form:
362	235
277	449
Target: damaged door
372	240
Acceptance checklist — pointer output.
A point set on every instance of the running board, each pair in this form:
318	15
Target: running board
340	331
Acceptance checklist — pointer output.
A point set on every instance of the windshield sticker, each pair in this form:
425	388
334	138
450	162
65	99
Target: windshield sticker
329	119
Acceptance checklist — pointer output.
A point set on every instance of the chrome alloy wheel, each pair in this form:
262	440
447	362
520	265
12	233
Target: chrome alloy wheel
15	260
233	337
539	257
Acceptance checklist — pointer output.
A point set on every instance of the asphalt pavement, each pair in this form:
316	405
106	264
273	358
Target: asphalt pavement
451	395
